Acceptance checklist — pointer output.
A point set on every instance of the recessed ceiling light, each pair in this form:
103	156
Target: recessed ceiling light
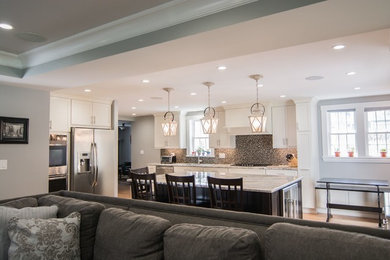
222	67
357	88
193	94
134	114
223	102
133	108
6	26
87	90
338	47
145	81
283	96
260	85
140	100
176	107
314	77
351	73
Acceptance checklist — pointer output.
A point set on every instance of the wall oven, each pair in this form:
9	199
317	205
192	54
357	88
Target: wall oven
58	162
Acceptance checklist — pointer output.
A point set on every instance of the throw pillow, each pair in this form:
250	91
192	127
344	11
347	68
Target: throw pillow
193	241
6	213
123	234
55	238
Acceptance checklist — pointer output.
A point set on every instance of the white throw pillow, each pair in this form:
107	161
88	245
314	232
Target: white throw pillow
55	238
6	213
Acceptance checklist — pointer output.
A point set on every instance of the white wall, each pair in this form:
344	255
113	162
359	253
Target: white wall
28	164
142	139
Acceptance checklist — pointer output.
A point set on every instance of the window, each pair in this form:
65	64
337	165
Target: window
197	142
360	130
342	131
378	130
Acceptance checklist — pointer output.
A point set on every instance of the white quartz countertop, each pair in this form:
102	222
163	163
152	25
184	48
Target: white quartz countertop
255	183
204	165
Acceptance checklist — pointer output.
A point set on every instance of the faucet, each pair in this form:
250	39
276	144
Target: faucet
199	160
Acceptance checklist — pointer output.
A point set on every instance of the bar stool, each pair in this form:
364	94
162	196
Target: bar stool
181	189
226	193
144	186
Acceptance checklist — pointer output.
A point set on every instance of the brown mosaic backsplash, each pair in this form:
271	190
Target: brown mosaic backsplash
250	149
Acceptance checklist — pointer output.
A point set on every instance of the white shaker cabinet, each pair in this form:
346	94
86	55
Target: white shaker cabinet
222	139
284	127
91	114
59	114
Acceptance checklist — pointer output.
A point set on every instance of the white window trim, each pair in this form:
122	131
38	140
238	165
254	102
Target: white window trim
361	131
195	116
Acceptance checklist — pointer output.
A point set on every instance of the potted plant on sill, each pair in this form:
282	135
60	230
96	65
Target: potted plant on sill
337	153
383	153
351	152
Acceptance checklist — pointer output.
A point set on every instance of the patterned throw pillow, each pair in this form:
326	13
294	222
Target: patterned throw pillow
45	238
6	213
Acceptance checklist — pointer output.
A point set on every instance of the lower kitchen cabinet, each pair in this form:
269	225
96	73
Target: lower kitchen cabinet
282	172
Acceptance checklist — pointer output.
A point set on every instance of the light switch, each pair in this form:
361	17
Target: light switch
3	164
222	155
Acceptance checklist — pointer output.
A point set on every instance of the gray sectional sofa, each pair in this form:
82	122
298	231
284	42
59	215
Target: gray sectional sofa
115	228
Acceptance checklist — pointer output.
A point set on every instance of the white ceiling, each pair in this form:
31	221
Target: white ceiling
285	48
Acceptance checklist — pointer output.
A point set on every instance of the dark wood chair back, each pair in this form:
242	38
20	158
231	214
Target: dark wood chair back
143	186
181	189
226	193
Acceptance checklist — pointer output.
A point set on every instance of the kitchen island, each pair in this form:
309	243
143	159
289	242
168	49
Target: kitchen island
266	194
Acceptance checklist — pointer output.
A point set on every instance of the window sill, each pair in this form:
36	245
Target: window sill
356	159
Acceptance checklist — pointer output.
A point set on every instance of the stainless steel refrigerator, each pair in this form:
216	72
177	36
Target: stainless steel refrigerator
93	162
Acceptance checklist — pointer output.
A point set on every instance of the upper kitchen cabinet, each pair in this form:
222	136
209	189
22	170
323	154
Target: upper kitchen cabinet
222	139
59	114
91	114
177	141
284	132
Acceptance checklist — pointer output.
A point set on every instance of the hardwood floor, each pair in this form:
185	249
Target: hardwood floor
124	192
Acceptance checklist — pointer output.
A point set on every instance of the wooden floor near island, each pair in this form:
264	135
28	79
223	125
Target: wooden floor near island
124	192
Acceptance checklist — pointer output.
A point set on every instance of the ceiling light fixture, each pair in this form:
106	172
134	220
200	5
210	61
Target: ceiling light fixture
87	90
351	73
357	88
193	94
140	100
134	114
209	121
133	108
338	47
145	81
169	126
6	26
283	96
222	67
223	102
257	119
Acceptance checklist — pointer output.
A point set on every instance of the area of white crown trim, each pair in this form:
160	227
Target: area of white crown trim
163	16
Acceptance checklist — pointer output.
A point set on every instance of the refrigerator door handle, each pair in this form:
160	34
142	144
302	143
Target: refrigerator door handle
96	173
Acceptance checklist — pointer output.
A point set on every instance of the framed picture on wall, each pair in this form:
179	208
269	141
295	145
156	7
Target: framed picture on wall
13	130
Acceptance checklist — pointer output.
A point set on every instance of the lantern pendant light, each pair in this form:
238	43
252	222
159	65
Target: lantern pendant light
209	121
169	126
257	119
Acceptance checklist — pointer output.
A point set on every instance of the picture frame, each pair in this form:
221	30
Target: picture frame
13	130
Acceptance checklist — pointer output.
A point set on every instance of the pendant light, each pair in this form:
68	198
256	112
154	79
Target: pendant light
169	126
257	119
209	121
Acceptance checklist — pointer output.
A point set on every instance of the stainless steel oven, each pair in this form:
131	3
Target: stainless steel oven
58	159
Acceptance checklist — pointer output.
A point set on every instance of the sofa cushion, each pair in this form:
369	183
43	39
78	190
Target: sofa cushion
21	203
54	238
192	241
288	241
89	211
123	234
6	213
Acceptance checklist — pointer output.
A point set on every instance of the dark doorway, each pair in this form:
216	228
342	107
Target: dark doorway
124	149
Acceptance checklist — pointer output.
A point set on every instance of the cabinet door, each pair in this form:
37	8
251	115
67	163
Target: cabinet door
303	116
291	128
82	113
102	115
59	114
279	127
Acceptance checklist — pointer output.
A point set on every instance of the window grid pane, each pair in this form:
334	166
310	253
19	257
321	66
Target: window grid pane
378	136
199	142
342	135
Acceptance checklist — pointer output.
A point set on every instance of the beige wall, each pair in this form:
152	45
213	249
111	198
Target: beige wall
142	139
27	163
